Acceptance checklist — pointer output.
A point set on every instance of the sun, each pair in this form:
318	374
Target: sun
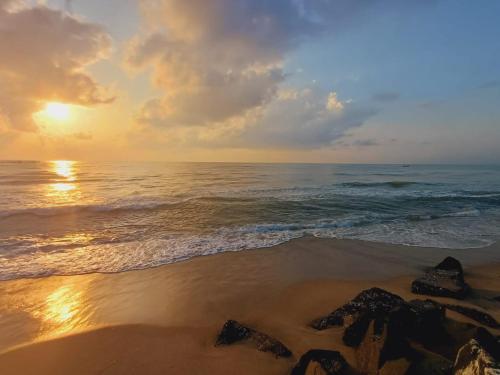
57	111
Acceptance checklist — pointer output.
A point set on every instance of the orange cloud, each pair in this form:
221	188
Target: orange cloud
43	55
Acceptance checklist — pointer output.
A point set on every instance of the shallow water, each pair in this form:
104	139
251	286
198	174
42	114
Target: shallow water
67	217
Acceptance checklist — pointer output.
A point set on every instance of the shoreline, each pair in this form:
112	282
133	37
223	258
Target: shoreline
494	245
277	289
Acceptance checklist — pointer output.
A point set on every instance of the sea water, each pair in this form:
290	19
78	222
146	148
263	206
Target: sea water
70	217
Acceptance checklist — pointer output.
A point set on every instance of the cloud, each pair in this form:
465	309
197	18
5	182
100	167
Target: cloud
309	120
387	96
365	142
293	119
333	104
220	66
43	55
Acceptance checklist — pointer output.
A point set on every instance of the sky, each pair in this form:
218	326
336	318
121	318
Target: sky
347	81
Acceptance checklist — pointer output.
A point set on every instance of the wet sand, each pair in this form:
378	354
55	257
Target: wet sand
165	320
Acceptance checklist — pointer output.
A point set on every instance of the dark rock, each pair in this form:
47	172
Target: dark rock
481	355
371	302
384	349
444	280
232	331
428	363
451	264
488	342
321	362
354	334
477	315
266	343
427	321
418	320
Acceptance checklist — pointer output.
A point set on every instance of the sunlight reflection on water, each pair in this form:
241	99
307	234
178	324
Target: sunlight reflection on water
65	191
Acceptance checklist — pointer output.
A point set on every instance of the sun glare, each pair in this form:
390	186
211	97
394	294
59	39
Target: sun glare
57	111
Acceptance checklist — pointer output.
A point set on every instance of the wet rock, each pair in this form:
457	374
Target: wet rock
232	332
480	356
321	362
370	303
477	315
444	280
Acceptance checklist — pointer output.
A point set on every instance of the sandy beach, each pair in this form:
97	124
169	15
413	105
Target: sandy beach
166	319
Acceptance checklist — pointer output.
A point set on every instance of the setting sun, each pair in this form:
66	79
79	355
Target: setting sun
57	111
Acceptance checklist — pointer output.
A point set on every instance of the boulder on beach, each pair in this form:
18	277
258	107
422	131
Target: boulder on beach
232	332
444	280
384	349
480	356
475	314
420	320
321	362
369	303
427	321
382	328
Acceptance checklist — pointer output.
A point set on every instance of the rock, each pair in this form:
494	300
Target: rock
480	356
355	333
451	264
419	320
428	363
477	315
232	332
384	349
427	321
369	302
321	362
266	343
444	280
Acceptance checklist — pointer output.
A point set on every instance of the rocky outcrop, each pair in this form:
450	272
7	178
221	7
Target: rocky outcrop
477	315
321	362
428	363
444	280
368	304
426	321
384	349
420	320
232	332
382	327
480	356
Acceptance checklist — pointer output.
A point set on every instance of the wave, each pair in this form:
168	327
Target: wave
305	200
65	210
392	184
151	252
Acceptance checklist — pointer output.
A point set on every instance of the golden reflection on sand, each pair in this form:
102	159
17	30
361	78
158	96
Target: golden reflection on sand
61	310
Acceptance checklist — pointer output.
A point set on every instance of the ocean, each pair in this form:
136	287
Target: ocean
70	217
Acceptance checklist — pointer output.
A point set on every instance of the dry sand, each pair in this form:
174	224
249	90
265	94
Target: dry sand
165	320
